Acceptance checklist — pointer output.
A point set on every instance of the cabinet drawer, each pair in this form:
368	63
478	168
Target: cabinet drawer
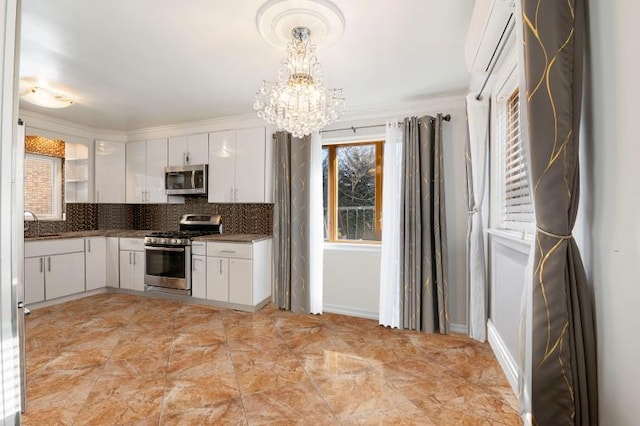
199	248
236	250
53	247
136	244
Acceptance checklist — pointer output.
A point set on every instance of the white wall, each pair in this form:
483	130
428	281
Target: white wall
612	173
339	291
352	281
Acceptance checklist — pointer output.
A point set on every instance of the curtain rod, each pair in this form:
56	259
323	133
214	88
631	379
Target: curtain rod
497	52
446	117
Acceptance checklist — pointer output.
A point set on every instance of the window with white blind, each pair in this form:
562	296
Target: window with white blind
516	209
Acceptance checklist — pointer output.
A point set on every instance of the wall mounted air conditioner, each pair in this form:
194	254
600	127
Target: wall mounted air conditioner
490	23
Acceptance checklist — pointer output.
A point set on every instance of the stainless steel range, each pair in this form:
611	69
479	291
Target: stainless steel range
168	254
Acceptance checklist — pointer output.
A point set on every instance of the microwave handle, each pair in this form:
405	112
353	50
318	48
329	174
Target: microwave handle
193	179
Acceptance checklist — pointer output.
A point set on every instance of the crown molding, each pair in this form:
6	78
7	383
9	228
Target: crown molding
444	104
39	121
192	127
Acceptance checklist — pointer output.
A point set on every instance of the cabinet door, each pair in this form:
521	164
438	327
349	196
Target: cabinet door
199	276
64	275
126	270
113	262
250	165
138	270
177	151
33	279
135	172
218	279
240	281
156	162
110	172
198	149
96	262
222	147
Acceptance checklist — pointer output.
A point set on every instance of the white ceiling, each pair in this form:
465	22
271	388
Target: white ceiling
144	63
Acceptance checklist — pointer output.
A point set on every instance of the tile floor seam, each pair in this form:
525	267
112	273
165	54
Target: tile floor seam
228	348
166	378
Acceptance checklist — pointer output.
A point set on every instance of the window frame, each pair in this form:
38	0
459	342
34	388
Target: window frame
57	164
507	83
332	196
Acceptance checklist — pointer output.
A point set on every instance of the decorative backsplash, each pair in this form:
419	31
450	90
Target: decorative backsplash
236	218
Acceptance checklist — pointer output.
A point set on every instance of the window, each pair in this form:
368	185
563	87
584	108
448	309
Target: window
43	185
352	179
516	207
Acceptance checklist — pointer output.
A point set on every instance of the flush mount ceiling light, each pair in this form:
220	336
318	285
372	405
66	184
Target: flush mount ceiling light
46	98
298	102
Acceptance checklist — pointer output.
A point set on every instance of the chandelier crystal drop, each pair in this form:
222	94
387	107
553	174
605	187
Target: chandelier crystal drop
298	102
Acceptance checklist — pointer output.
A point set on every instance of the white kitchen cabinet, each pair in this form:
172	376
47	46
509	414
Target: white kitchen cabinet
113	262
64	275
132	263
53	268
239	165
199	276
95	250
239	273
192	149
110	172
34	280
145	164
218	279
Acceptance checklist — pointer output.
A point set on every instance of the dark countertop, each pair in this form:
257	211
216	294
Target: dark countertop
131	233
235	238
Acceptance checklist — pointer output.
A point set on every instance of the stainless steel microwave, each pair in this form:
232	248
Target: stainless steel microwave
186	180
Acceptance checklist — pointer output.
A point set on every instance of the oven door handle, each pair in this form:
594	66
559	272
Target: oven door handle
164	249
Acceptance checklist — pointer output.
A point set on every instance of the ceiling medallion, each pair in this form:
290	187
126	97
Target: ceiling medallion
298	102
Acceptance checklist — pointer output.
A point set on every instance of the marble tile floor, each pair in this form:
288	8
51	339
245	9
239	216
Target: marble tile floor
120	359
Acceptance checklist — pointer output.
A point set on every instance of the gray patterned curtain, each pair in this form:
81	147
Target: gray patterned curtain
292	234
424	292
564	383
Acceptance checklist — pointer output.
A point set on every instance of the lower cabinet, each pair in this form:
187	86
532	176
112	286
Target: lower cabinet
132	263
239	273
199	276
95	249
53	269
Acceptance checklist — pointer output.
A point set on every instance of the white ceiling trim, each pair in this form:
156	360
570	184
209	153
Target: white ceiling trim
36	120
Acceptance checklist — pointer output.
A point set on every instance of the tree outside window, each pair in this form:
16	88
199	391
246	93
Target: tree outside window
352	178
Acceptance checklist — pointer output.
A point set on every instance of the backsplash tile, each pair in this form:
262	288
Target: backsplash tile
236	218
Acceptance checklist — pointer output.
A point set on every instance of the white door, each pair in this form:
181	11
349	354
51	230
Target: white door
250	164
218	279
110	172
240	281
126	270
138	270
64	275
156	162
33	279
135	172
177	148
199	276
96	262
198	149
222	152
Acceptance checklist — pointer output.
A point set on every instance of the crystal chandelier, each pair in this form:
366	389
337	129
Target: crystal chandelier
298	102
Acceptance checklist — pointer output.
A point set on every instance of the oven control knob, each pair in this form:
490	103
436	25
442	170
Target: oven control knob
174	241
153	240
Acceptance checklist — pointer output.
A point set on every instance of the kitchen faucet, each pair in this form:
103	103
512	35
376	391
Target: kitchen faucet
34	219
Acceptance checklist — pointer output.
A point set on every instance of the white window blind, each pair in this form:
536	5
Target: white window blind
517	208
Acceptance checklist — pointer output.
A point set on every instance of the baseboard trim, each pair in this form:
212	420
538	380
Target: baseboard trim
458	328
506	361
64	299
350	311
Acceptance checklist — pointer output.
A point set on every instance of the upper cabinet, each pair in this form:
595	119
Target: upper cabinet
110	172
76	179
239	166
192	149
145	163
